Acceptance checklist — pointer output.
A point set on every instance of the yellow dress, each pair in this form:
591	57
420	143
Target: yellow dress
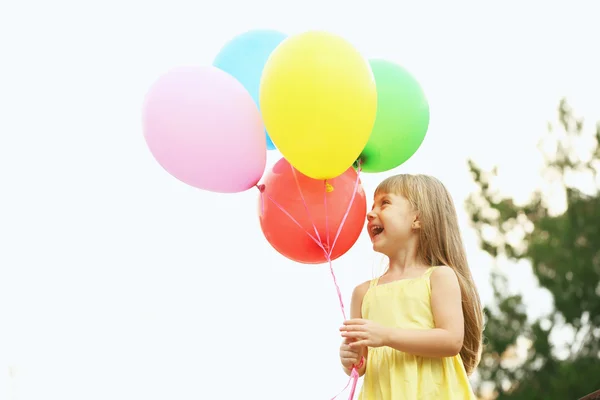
395	375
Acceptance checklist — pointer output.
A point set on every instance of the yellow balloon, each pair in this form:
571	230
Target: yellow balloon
318	100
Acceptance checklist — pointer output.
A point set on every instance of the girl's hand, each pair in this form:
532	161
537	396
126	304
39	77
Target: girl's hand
350	356
363	333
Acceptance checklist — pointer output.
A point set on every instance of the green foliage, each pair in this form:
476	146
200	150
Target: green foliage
564	252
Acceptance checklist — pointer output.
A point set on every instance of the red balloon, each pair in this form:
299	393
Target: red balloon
284	188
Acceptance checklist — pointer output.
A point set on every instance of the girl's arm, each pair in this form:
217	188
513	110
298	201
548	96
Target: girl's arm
355	312
446	339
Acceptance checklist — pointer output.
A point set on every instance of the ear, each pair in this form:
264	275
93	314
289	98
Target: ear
416	223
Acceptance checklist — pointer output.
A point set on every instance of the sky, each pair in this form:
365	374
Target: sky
118	281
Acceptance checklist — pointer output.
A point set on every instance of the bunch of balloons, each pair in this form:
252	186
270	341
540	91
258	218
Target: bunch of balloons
313	97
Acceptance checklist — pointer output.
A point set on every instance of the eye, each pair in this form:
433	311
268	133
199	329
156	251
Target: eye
385	202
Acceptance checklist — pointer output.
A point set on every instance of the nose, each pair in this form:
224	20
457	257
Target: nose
370	216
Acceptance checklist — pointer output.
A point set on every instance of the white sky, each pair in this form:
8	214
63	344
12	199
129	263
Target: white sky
119	282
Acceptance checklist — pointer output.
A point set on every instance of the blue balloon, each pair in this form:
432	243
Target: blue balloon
245	56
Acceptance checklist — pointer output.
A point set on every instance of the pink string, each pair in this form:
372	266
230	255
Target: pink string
327	249
326	212
353	380
261	188
304	203
349	205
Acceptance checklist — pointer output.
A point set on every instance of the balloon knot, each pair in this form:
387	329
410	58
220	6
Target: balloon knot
261	188
328	188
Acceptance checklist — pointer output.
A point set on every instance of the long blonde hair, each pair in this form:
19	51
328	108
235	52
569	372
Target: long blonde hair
440	243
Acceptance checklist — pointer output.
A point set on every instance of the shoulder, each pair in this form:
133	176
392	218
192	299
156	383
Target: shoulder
443	276
360	290
357	299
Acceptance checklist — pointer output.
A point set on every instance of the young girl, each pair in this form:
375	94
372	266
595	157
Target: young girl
416	331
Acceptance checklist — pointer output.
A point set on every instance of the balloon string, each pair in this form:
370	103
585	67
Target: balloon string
304	203
328	250
353	380
326	212
262	193
348	209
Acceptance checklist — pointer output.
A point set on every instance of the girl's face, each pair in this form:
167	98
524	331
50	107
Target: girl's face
391	223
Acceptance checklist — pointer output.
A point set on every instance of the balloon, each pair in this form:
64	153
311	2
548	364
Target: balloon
244	58
402	118
203	128
318	100
294	242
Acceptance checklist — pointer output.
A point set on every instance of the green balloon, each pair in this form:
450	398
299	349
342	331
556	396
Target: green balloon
402	118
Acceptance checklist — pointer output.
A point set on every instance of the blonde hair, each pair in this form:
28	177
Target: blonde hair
440	243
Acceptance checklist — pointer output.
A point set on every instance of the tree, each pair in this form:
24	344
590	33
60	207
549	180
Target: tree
563	249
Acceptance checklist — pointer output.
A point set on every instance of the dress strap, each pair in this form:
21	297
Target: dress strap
429	271
374	282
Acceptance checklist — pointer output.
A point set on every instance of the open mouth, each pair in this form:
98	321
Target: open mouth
376	230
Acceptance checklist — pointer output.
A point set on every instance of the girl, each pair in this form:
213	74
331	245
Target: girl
416	331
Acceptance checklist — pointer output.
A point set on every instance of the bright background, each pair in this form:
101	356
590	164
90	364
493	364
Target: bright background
119	282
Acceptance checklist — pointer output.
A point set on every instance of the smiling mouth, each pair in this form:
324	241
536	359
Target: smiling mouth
376	230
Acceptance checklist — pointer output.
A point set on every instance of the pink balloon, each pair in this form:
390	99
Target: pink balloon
203	127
